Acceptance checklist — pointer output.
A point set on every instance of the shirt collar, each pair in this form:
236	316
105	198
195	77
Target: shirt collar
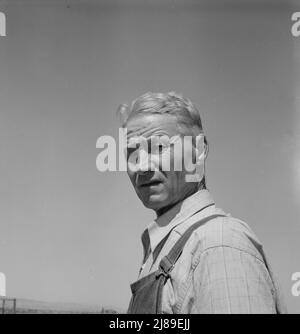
161	226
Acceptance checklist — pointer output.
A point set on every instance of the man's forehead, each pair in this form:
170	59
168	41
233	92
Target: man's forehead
153	140
152	125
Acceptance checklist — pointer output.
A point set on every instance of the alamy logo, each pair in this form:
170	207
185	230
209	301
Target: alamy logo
2	285
296	285
295	30
140	153
2	24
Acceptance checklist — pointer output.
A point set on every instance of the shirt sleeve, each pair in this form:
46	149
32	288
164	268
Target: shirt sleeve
230	280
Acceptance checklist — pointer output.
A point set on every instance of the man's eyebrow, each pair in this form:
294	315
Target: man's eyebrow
131	143
135	142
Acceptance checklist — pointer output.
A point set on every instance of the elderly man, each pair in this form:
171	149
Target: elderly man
197	258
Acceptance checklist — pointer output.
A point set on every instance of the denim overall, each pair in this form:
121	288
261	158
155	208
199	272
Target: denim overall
147	291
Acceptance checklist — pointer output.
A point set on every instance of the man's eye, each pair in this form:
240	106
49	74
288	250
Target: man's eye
161	147
158	149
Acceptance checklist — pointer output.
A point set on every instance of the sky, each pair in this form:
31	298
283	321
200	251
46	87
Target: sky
69	233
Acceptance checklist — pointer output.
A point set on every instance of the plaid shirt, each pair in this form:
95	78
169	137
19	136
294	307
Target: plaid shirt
222	269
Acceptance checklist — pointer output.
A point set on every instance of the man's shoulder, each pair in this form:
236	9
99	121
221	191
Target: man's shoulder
226	231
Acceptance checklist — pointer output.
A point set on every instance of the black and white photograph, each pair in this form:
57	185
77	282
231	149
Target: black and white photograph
150	158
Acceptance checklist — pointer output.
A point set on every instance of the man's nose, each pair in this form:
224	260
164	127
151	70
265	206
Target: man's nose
144	163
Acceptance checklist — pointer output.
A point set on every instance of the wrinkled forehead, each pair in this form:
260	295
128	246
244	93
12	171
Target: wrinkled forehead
149	125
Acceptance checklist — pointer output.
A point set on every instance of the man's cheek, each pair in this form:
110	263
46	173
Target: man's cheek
171	160
188	161
163	161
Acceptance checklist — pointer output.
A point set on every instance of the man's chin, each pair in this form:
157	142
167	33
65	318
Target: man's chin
155	202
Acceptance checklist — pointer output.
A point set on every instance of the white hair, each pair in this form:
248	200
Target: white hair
160	103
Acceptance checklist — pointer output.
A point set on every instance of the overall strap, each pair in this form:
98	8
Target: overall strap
168	262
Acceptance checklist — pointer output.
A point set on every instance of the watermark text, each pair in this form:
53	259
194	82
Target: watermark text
2	285
140	154
2	24
296	285
295	30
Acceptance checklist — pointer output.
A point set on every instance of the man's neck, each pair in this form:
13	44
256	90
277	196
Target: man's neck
163	210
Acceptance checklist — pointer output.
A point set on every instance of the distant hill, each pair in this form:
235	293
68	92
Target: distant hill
27	306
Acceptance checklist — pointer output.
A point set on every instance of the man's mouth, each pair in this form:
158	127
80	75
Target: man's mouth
151	183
